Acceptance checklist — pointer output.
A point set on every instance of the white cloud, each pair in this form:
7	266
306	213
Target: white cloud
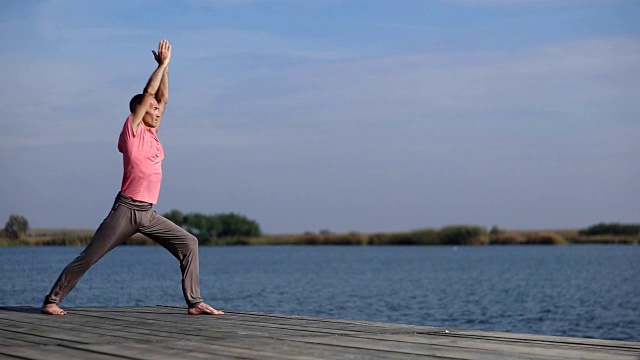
592	80
244	77
589	78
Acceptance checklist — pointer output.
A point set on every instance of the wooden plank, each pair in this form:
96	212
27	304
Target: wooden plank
74	334
155	351
225	320
68	327
125	333
282	326
71	327
318	350
421	349
4	341
35	339
323	327
366	326
235	352
159	327
7	357
190	323
297	323
550	339
52	352
510	347
334	324
132	334
275	328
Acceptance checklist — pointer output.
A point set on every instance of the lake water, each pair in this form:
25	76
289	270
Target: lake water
584	291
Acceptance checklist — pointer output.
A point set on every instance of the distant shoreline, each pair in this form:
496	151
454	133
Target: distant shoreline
80	237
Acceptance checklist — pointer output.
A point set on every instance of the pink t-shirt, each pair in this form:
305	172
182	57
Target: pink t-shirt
142	156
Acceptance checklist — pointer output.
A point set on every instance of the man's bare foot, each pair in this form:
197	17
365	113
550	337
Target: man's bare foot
203	309
52	309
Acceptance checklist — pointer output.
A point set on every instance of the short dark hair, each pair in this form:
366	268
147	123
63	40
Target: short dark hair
135	101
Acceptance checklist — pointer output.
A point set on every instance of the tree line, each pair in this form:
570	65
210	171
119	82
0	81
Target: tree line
611	229
16	227
209	228
236	229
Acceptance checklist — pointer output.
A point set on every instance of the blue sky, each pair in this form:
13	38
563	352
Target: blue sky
330	114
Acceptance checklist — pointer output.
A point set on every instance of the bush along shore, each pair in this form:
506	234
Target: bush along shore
448	235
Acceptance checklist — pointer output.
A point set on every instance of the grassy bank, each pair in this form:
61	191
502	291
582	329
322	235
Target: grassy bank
64	237
448	235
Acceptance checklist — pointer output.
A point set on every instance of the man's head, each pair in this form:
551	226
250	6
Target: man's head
135	101
151	117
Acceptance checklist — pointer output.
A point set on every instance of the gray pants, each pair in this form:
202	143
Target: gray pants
126	218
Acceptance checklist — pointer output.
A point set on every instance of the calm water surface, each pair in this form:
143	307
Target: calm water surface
584	291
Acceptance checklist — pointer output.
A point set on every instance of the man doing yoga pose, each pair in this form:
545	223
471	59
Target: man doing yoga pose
132	210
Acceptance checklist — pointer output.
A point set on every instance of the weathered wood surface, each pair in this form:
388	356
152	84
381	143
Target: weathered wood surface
169	333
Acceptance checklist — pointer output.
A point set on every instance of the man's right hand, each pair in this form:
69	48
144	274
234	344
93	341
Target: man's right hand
163	56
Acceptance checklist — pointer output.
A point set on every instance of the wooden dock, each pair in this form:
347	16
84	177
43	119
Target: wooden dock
169	333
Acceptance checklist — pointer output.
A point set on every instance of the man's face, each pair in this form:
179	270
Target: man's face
152	116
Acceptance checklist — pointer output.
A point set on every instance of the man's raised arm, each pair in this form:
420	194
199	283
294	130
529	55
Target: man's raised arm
162	95
163	58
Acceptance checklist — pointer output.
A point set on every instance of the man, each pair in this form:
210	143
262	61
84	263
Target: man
132	210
